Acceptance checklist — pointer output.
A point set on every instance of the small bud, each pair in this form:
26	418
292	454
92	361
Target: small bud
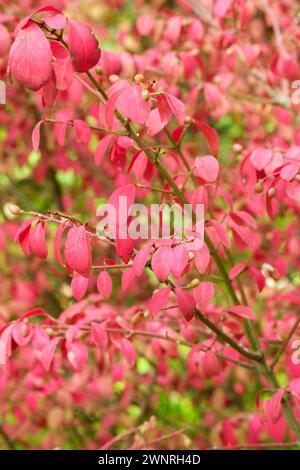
113	78
99	70
137	317
146	95
259	187
191	256
237	148
188	121
271	192
147	314
193	283
14	209
139	78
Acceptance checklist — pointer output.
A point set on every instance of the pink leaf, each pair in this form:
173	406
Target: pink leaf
164	109
57	21
133	106
127	278
236	270
242	311
186	303
207	168
289	171
260	158
79	286
99	336
36	136
158	300
78	250
128	351
202	259
57	242
77	354
272	406
210	365
177	107
26	20
221	7
83	46
104	284
210	135
221	232
22	333
30	57
48	352
161	262
179	260
258	277
82	130
203	294
101	148
140	259
37	240
63	70
22	236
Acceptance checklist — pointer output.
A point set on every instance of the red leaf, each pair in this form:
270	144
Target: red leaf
22	333
25	20
30	57
221	232
57	241
48	352
211	136
186	303
63	70
78	250
164	109
83	131
83	46
128	351
79	286
140	259
260	158
22	236
210	365
203	294
101	148
272	406
242	311
289	171
104	284
99	336
57	21
202	259
180	259
37	240
77	354
177	107
127	277
133	106
36	136
161	262
221	7
236	270
258	277
158	300
207	168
